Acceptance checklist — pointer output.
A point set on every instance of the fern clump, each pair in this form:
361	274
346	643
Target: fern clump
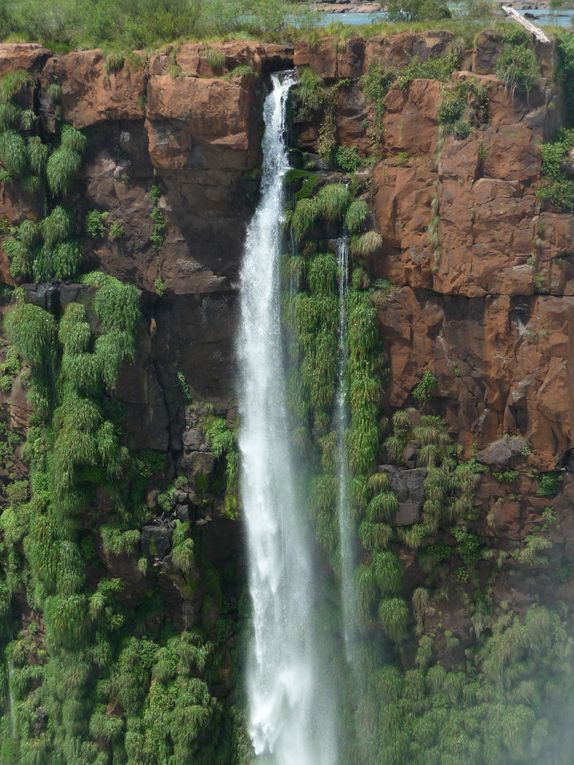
363	435
29	233
309	93
366	245
73	139
112	350
116	304
394	618
9	116
54	93
42	269
33	331
304	218
66	621
38	154
293	272
13	83
387	572
183	556
365	594
322	275
61	169
13	154
78	413
375	536
70	577
383	507
119	542
356	216
19	255
66	260
57	226
27	120
332	201
323	493
105	726
30	184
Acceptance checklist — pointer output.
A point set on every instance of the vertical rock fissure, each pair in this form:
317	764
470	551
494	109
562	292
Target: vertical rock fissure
291	711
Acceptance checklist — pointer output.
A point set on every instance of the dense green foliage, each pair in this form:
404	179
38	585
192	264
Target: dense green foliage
558	187
565	48
47	250
97	675
463	106
136	24
518	69
495	701
222	442
105	679
501	708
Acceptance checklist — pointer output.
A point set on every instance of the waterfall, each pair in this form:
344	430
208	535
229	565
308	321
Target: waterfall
291	708
346	532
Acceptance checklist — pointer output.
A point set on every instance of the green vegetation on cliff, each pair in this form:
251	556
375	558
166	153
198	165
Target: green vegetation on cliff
135	24
91	668
497	691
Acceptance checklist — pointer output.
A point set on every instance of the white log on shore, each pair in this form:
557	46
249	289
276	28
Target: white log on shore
528	25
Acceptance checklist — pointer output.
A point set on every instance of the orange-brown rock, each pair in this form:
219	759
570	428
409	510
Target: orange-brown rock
465	239
192	59
332	58
27	56
184	112
487	49
90	94
398	50
410	119
503	365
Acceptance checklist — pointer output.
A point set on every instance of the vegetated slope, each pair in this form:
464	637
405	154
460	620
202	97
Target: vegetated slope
121	548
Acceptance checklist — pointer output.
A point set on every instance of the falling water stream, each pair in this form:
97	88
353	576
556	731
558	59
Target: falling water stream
291	707
346	532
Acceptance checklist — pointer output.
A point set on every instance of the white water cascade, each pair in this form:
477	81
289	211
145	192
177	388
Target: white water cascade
291	708
346	530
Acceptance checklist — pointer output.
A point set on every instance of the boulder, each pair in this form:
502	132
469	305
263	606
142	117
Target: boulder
90	94
502	453
487	49
28	56
156	540
408	485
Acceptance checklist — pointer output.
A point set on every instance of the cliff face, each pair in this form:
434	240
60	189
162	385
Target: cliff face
199	137
480	274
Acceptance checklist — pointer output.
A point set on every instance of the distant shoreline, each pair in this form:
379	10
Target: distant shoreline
349	6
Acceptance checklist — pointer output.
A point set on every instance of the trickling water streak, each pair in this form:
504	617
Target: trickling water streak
11	700
346	531
290	708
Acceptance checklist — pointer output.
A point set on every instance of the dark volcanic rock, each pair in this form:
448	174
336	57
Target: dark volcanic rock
408	485
156	540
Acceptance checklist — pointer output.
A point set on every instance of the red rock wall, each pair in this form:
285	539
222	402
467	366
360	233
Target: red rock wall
490	311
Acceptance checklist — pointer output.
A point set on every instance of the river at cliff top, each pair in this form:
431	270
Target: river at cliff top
542	17
547	18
